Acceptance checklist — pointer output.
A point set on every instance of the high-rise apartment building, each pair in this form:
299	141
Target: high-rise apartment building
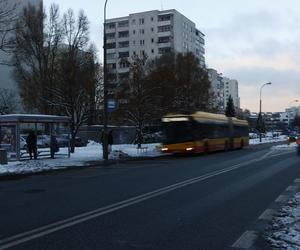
231	88
153	33
6	78
217	89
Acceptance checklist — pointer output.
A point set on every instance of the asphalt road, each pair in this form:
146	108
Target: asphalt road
202	202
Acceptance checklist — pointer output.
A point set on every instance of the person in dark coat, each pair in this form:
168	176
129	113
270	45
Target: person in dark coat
53	146
110	141
31	141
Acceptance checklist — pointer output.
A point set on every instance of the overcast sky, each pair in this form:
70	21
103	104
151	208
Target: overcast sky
253	41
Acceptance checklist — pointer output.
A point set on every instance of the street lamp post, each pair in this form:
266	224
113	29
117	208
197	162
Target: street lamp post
260	106
289	112
105	111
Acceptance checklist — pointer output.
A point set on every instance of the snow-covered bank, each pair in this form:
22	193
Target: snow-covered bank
82	157
256	141
285	230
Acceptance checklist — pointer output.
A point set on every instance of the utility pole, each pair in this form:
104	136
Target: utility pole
260	118
105	111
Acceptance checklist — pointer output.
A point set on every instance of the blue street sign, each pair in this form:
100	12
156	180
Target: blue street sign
111	105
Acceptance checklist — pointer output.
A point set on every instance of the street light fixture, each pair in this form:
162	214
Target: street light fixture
260	106
105	111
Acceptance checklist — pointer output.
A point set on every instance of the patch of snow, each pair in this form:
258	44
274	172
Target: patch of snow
83	156
284	232
286	146
256	141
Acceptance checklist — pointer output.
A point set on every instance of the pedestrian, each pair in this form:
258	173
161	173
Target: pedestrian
31	141
53	146
110	141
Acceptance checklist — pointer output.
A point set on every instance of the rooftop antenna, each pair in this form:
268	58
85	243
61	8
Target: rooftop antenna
161	5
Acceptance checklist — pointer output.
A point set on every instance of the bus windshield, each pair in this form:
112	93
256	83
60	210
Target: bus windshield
177	132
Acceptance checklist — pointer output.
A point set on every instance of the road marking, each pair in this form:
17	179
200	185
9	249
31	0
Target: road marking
267	214
292	188
282	198
246	240
59	225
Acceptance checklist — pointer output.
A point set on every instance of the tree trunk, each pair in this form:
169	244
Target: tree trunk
72	144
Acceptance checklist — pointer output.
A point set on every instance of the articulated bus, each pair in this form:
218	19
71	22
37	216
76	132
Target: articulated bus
203	132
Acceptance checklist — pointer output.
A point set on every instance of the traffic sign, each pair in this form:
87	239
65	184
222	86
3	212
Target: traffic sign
111	105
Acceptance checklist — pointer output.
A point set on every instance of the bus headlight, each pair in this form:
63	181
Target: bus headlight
164	149
189	149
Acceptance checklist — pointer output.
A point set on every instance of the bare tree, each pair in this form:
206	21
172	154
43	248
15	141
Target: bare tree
35	55
74	94
7	101
182	83
138	106
8	20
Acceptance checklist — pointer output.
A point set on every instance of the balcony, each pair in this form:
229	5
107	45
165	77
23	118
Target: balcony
163	45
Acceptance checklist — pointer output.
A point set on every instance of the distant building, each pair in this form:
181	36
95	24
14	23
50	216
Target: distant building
6	79
231	88
153	33
217	89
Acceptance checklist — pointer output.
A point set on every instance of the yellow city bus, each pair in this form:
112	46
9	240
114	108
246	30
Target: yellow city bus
203	132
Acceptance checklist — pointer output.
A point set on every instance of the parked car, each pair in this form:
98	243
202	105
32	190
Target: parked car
63	141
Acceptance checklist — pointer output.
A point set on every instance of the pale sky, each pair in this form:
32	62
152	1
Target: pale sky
253	41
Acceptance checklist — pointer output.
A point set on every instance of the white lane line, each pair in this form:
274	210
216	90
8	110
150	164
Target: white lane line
246	240
45	230
292	188
282	198
267	214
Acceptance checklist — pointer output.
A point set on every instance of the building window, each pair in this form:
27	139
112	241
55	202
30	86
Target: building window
111	45
123	34
123	24
110	35
163	18
164	50
152	19
152	51
142	42
133	32
164	28
142	52
142	31
141	21
111	25
152	29
111	56
124	44
133	43
133	21
164	39
152	40
123	54
124	64
134	53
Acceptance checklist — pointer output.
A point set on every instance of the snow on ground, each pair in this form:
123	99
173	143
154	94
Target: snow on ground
291	146
285	230
83	156
92	152
281	138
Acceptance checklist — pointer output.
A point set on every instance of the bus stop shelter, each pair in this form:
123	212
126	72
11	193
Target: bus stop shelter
14	129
